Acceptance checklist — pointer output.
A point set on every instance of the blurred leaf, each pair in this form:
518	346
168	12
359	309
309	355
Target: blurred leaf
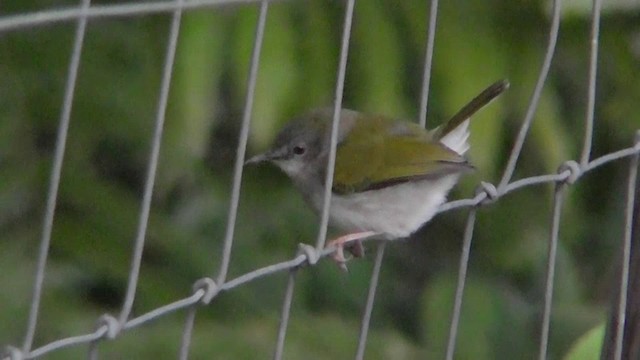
194	94
493	324
584	7
376	62
278	71
588	346
549	136
318	56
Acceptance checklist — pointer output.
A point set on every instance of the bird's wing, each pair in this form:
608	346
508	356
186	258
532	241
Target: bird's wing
366	160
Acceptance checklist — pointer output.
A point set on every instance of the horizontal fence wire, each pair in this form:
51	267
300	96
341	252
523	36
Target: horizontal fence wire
204	290
47	17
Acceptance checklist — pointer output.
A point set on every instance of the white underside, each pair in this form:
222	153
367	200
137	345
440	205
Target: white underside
394	212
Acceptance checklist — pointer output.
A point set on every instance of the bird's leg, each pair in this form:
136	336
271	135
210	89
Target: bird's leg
356	249
341	241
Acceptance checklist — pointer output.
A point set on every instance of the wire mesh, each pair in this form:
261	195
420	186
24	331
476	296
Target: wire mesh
54	183
204	290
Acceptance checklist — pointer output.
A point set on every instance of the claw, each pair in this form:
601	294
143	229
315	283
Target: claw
340	242
356	249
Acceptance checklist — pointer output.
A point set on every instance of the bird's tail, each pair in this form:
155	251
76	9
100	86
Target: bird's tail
455	132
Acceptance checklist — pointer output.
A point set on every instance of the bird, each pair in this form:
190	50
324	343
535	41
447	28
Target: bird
390	175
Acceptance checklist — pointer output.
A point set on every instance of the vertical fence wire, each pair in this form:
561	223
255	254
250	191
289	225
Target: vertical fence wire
337	106
428	63
626	253
254	66
54	181
145	209
462	277
371	295
242	143
187	332
533	102
591	92
92	353
284	317
424	99
558	199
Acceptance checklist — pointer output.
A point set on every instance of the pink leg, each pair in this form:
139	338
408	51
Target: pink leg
341	241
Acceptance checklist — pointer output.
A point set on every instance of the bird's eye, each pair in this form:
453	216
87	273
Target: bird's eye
299	150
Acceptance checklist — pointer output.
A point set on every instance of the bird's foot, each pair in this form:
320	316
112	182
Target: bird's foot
357	250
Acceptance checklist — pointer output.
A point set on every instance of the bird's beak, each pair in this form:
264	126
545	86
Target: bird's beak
271	155
258	159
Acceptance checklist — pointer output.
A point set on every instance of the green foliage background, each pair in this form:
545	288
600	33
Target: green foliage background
477	42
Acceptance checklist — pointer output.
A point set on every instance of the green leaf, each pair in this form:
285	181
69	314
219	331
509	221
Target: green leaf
194	94
376	71
278	73
588	346
493	322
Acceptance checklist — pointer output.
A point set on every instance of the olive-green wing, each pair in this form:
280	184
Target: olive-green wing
367	160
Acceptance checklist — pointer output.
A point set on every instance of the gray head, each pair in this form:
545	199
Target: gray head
299	146
302	146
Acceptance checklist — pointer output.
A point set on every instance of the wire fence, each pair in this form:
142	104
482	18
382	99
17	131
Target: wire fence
207	288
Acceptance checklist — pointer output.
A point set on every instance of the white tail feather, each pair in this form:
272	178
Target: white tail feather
456	139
